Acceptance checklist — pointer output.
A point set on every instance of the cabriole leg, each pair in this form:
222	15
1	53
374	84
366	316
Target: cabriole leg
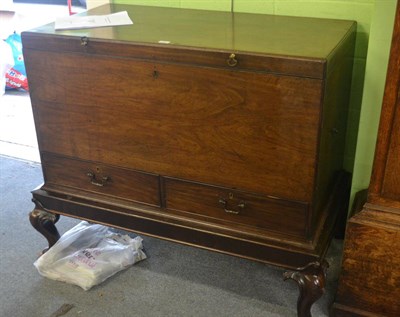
44	222
311	280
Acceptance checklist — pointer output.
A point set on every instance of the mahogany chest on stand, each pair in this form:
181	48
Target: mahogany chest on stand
219	130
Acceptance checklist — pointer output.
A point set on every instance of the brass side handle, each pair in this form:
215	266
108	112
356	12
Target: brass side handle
232	61
239	206
97	182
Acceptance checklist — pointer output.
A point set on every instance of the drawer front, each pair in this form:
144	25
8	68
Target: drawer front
102	179
253	131
235	208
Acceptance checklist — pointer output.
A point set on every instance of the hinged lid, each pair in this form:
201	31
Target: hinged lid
280	44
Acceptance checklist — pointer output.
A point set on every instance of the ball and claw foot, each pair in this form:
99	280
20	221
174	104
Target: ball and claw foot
311	280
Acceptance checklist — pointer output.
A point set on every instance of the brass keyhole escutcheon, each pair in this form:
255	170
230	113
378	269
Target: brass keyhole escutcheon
232	61
84	41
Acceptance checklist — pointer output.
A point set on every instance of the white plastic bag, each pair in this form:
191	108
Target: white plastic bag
88	254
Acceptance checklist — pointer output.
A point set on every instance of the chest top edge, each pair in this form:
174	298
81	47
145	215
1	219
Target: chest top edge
298	37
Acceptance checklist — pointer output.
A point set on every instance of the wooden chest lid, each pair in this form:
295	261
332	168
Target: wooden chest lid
307	43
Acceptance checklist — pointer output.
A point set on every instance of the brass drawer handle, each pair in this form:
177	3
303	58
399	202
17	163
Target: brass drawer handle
240	206
232	61
97	182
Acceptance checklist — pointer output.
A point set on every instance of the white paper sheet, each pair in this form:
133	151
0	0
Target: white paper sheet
92	21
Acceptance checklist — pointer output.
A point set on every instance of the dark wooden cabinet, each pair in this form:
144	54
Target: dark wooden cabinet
369	283
225	131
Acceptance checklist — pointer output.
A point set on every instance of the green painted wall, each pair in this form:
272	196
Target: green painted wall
375	76
375	23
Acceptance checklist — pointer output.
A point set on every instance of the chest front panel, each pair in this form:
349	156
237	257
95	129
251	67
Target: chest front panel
247	130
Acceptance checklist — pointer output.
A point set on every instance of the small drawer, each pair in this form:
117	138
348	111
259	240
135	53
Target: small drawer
100	178
224	205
